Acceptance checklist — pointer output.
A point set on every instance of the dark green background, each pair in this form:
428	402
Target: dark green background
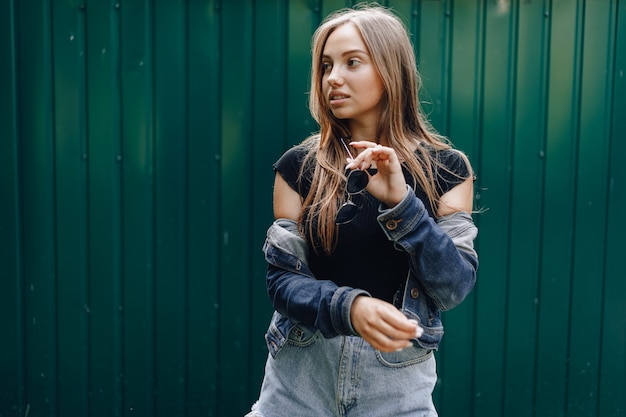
136	143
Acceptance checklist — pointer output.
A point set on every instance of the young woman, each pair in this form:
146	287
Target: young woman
373	235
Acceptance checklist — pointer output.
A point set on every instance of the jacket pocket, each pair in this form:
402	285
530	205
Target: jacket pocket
430	322
431	337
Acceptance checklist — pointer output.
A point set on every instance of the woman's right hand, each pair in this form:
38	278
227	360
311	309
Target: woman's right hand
382	325
388	184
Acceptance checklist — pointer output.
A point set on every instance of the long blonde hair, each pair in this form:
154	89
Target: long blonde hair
402	121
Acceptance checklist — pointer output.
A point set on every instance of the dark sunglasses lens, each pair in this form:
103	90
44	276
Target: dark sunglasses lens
346	213
357	181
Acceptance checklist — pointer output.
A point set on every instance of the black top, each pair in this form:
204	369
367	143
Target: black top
364	257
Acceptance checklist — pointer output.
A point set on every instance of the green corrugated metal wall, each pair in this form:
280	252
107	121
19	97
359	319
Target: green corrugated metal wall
135	189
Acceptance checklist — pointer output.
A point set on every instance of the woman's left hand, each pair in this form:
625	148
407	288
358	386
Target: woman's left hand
388	184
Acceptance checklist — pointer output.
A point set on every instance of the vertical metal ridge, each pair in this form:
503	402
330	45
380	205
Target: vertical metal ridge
480	80
576	113
218	130
83	132
446	70
512	59
250	179
612	390
54	295
478	116
545	76
186	216
13	378
152	157
118	189
49	92
20	275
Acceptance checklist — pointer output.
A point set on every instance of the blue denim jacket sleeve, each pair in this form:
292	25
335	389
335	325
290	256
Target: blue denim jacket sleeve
441	253
296	293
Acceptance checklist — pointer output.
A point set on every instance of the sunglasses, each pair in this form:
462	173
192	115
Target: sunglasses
355	184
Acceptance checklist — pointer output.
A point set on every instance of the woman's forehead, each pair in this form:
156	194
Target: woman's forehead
345	39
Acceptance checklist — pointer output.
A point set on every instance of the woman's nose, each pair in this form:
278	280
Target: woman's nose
334	78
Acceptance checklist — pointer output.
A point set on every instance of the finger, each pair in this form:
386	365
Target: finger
403	328
389	320
363	161
399	321
384	343
362	144
383	336
366	160
383	153
419	330
382	325
397	334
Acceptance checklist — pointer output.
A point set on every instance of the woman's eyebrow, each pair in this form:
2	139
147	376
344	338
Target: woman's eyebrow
349	52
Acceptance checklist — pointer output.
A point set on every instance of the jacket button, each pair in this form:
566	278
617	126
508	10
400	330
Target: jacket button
391	224
414	293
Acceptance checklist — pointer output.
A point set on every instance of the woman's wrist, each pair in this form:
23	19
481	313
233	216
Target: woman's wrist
396	197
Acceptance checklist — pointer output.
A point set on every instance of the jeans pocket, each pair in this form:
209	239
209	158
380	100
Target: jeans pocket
405	357
274	337
283	331
302	336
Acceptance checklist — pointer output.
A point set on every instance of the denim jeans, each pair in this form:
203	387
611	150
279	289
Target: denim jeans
344	376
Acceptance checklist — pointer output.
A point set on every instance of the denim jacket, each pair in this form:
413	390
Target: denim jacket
442	273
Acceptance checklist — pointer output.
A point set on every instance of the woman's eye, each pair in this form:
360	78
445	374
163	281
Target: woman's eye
353	62
326	66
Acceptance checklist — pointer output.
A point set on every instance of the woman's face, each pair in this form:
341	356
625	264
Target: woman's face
350	82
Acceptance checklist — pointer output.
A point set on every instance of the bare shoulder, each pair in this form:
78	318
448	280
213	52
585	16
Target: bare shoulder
287	202
459	198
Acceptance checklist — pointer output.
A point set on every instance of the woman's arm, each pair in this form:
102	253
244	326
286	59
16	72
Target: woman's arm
333	310
447	272
459	198
446	268
287	202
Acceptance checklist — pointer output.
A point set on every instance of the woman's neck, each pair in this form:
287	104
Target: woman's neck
359	132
